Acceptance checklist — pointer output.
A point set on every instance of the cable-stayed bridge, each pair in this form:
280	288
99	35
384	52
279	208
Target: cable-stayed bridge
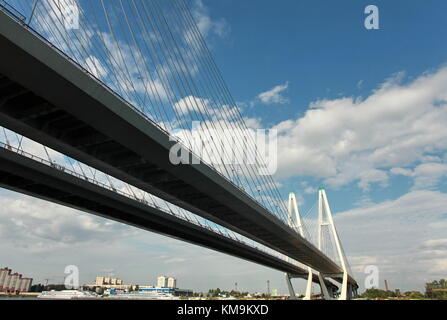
104	91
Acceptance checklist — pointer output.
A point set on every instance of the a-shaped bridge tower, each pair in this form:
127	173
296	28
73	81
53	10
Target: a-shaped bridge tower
325	220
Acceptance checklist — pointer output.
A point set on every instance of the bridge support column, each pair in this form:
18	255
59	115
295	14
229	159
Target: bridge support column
352	292
345	288
309	282
356	292
324	290
294	212
308	295
325	219
290	286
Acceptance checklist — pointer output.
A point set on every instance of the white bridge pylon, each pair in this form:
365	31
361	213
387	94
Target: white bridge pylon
324	220
294	212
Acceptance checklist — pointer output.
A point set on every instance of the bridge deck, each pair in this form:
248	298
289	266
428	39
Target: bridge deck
22	174
48	98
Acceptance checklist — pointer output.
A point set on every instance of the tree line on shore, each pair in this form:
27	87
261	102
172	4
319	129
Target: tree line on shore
433	290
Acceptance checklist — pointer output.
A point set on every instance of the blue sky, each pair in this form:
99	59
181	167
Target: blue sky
360	112
320	46
323	51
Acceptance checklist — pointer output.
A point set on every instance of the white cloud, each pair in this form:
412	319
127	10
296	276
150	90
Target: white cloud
275	95
200	109
437	243
176	260
426	175
347	139
253	123
372	176
402	237
33	226
310	190
64	13
192	104
206	24
95	67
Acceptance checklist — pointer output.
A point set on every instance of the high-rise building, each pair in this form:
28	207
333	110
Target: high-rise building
110	283
166	282
18	283
172	283
162	282
13	281
5	286
25	285
99	281
4	273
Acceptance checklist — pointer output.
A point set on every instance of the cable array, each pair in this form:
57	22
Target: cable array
152	54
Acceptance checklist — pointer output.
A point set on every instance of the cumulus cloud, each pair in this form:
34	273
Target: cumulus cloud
426	175
95	66
206	24
435	244
404	237
192	107
30	225
372	176
349	139
310	190
275	95
253	123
